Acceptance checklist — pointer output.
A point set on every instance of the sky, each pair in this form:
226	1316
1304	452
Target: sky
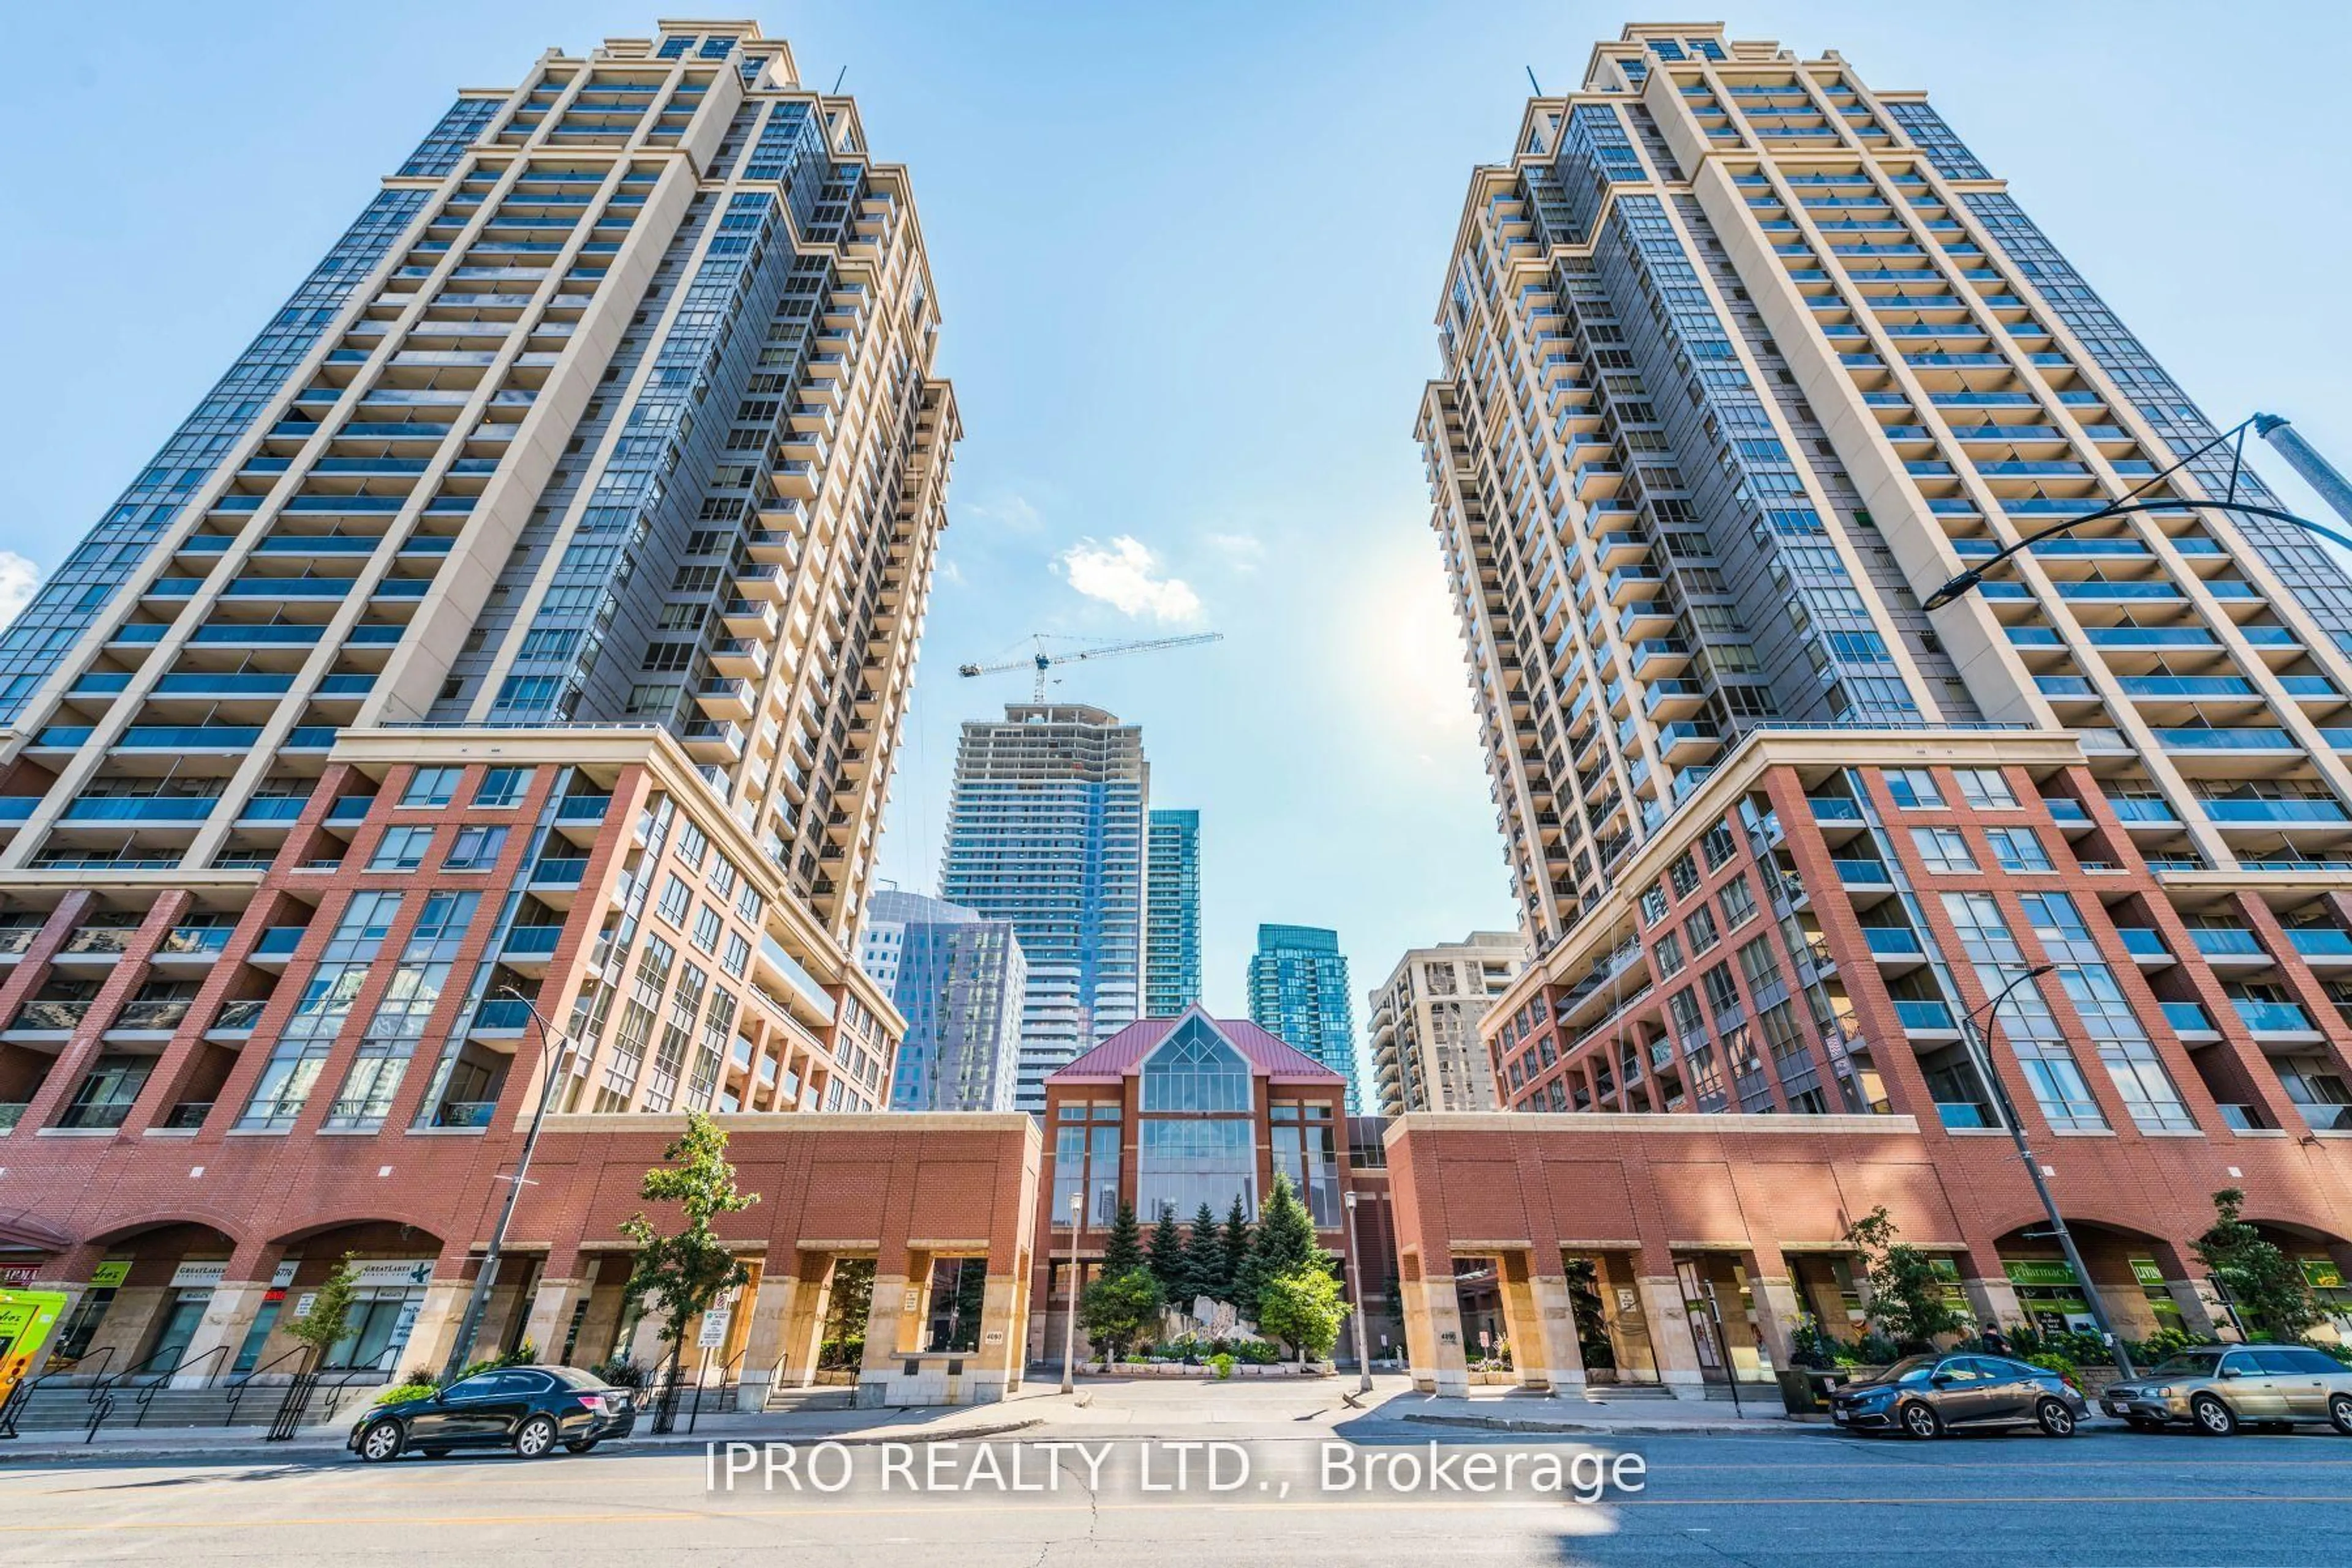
1187	259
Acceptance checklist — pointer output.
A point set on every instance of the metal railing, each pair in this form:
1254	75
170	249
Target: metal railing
300	1354
729	1373
13	1410
179	1369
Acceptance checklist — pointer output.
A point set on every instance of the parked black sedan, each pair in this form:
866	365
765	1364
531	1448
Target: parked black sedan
1927	1396
529	1409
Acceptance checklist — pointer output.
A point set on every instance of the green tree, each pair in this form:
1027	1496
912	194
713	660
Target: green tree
1908	1301
2266	1286
1123	1248
1169	1264
1233	1252
1117	1310
1284	1244
1301	1307
686	1272
324	1326
1204	1257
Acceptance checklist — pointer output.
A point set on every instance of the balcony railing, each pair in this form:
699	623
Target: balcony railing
2320	942
1891	940
1920	1015
187	1116
2271	1017
2225	941
463	1113
59	1016
2141	942
2187	1017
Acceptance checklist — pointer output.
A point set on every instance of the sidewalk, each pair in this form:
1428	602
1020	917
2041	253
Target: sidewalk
1101	1408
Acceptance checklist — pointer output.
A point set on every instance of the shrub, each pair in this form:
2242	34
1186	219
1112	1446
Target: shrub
2337	1348
1223	1362
2050	1361
2161	1346
2267	1285
1814	1346
620	1372
1116	1311
410	1387
1874	1349
1909	1304
1257	1352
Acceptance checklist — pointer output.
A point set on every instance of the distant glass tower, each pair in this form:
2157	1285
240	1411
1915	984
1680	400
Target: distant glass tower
1045	829
1171	940
1298	991
957	980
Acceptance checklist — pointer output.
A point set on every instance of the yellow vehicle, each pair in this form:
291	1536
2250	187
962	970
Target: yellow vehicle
26	1319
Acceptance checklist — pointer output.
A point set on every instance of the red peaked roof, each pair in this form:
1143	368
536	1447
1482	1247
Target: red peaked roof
1124	1052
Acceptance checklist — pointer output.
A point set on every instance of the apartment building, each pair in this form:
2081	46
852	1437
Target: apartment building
1171	937
489	696
1046	828
1420	1033
1298	991
959	982
1743	358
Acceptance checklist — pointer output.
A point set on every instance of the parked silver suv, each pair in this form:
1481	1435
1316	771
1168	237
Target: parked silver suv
2218	1388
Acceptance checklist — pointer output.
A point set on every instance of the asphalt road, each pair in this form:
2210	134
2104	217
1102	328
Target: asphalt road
2106	1497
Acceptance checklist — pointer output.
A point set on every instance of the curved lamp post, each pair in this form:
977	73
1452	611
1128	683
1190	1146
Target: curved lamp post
1980	1057
1960	586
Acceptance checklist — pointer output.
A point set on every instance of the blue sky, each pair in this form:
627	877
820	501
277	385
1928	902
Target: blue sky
1188	258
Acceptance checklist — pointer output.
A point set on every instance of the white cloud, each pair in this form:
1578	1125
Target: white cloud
1125	574
18	578
1241	552
1008	513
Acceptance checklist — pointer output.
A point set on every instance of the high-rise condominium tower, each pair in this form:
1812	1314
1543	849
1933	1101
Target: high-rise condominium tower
1743	358
958	981
1171	938
1421	1033
1045	829
523	623
1298	991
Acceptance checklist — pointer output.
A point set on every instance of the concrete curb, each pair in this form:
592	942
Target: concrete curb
1634	1428
314	1449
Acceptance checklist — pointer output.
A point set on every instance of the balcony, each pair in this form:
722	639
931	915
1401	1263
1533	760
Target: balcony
187	1117
502	1016
723	697
2273	1017
2145	944
583	808
50	1018
714	741
1863	874
1920	1017
565	872
154	1018
2321	945
1963	1113
277	945
2227	943
1893	943
238	1017
1834	808
464	1115
2188	1020
530	947
198	943
2273	810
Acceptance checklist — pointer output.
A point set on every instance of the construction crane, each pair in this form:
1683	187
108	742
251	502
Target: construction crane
1042	662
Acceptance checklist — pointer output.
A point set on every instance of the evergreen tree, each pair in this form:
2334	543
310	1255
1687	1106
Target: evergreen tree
1123	1250
1169	1264
1232	1251
1285	1244
1204	1257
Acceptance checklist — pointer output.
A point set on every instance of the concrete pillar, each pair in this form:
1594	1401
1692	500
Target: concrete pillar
1432	1332
229	1312
995	1370
804	1322
130	1321
1553	1340
1778	1309
551	1306
1993	1300
1669	1336
434	1329
884	1328
770	1312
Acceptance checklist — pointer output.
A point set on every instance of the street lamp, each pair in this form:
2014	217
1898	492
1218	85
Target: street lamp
1980	1056
487	1276
1356	1289
1070	1315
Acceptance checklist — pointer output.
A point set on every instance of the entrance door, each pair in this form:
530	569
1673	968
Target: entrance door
1478	1299
180	1321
